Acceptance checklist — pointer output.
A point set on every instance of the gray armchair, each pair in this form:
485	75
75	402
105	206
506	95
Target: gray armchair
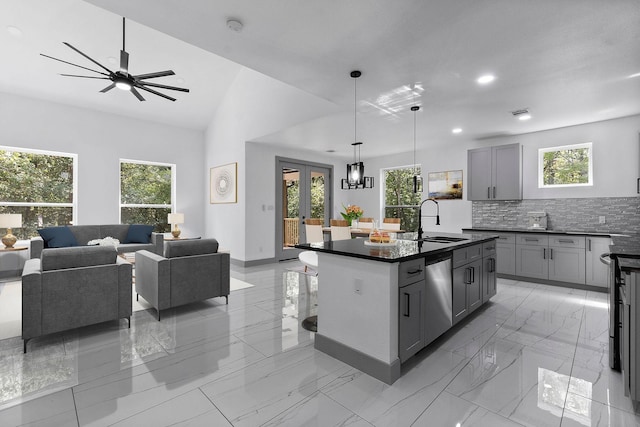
72	287
189	271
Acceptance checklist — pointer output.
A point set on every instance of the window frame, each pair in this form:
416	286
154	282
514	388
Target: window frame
74	204
121	205
383	189
541	153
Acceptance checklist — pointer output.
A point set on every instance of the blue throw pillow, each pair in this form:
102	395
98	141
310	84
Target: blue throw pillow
139	233
57	237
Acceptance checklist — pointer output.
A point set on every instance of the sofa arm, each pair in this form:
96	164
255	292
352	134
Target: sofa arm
125	280
36	245
153	279
158	242
31	299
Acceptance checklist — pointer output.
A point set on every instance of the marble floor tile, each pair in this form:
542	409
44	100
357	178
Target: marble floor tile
450	410
317	410
535	355
524	384
580	411
263	390
400	403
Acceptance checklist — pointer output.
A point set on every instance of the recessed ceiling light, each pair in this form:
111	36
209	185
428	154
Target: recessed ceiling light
524	117
234	25
14	31
522	114
487	78
634	75
456	130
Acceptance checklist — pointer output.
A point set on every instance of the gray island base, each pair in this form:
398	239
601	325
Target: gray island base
378	306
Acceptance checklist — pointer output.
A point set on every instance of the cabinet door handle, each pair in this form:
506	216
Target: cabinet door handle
473	274
494	192
408	305
544	253
490	248
638	186
493	265
551	255
467	276
489	191
416	271
589	244
529	239
565	241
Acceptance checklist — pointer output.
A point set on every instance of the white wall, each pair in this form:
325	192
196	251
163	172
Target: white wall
254	105
616	157
101	140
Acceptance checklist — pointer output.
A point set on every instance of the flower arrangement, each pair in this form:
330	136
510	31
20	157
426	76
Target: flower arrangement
351	212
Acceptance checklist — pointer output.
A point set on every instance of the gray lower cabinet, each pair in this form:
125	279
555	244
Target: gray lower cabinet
467	281
411	322
411	296
506	254
489	262
596	273
531	256
559	258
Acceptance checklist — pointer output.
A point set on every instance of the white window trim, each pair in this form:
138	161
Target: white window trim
383	186
541	153
121	205
74	203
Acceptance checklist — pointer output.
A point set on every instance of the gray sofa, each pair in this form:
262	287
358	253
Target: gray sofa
85	233
189	271
72	287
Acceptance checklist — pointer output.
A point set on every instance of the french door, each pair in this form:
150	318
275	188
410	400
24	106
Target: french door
303	190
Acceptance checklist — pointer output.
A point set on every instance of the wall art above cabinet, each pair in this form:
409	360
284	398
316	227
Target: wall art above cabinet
495	173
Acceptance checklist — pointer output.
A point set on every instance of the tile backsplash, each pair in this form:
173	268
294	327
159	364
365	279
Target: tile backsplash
622	214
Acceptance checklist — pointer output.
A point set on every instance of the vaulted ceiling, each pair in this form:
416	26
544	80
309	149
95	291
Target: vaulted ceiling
569	62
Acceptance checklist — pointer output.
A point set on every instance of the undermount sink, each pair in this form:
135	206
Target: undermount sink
441	239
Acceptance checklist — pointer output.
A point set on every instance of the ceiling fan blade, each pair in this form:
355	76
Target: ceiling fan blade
124	62
75	65
164	86
85	77
89	58
137	94
154	75
139	86
108	88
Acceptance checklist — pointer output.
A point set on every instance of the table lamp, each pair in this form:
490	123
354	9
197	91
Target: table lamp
10	221
175	219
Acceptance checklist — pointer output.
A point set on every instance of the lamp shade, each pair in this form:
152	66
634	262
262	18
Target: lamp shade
10	220
175	218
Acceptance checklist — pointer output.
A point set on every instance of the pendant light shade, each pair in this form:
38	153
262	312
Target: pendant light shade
355	171
417	178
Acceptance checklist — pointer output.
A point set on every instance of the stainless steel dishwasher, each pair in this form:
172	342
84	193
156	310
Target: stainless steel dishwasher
438	297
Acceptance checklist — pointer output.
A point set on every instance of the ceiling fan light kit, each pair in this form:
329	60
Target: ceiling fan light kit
355	171
122	79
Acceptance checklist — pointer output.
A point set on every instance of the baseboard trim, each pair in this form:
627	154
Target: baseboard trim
554	283
252	263
387	373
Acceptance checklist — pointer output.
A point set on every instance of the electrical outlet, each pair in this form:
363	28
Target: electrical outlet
601	219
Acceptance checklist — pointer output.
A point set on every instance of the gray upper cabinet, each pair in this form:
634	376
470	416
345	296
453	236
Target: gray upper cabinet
495	173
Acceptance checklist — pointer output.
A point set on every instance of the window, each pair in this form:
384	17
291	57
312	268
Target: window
565	166
399	199
146	193
40	185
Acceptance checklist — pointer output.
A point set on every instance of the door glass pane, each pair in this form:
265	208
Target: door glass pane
290	206
318	182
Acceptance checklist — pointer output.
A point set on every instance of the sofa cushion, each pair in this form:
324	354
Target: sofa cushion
57	237
117	231
79	256
180	248
139	233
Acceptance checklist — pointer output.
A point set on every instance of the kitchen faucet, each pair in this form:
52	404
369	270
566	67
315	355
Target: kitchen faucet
437	216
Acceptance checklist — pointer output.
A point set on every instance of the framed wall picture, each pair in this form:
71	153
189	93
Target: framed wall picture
224	184
445	185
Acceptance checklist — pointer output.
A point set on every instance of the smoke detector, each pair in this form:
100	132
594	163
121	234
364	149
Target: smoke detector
234	25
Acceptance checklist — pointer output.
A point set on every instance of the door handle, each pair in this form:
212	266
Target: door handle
638	186
565	241
407	306
551	256
544	253
494	192
493	265
473	274
489	191
416	271
467	276
589	244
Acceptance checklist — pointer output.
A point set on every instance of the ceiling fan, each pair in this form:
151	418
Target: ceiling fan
122	79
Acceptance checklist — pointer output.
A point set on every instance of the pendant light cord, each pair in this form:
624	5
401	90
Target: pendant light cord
355	116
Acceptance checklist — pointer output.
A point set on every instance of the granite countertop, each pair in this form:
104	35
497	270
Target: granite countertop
627	246
530	230
629	264
403	250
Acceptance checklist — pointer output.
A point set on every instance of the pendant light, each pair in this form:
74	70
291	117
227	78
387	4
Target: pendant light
355	171
417	179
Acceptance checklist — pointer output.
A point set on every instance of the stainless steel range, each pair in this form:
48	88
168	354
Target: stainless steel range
615	302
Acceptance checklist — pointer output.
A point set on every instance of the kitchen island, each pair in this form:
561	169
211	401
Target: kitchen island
379	305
